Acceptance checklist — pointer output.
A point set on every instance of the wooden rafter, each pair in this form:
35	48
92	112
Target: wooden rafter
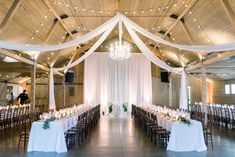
62	22
229	11
178	20
211	60
12	54
190	5
189	35
59	53
9	15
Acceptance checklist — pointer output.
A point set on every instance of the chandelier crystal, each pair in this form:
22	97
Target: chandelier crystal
119	51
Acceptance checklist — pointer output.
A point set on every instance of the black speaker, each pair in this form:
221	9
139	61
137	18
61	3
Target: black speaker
165	77
69	77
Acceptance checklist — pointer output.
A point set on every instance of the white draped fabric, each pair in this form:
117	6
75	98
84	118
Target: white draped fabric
183	92
105	26
52	105
108	81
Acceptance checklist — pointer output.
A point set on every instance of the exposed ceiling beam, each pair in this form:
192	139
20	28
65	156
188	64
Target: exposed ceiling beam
61	21
49	33
189	35
59	18
12	54
178	55
211	60
190	5
9	15
17	69
229	11
222	65
59	53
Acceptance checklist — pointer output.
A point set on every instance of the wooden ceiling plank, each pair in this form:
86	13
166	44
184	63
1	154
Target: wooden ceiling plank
9	15
178	55
178	19
50	31
189	35
61	21
59	53
229	11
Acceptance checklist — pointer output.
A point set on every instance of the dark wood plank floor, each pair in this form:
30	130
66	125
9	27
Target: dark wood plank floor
119	137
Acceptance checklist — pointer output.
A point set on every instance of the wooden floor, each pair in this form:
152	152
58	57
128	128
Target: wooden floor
119	137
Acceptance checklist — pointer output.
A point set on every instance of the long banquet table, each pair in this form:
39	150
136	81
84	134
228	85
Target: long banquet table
183	137
52	139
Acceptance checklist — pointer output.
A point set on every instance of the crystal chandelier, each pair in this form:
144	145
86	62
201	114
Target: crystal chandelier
119	51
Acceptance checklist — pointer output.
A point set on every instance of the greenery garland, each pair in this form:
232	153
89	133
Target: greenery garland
46	124
124	107
184	121
111	108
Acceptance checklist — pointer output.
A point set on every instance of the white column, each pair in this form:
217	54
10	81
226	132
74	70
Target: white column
204	96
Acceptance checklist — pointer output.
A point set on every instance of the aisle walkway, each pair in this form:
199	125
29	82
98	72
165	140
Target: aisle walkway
118	137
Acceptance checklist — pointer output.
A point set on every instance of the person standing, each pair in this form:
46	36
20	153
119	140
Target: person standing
23	98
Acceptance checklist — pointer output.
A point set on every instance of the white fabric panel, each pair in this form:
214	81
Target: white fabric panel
183	92
82	39
147	52
91	50
51	91
108	81
105	26
194	48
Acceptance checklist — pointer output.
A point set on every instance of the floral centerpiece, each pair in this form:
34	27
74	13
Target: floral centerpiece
47	118
184	120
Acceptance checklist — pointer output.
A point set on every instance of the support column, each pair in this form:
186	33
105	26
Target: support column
33	87
204	96
64	92
170	90
9	15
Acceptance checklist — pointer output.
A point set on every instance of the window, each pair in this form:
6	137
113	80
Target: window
233	88
227	89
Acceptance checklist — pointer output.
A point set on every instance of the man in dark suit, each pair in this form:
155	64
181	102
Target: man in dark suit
23	98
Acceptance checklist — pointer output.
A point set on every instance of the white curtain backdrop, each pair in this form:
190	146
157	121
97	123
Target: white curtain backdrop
108	81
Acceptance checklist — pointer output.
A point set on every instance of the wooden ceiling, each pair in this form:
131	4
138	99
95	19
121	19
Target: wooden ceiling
45	22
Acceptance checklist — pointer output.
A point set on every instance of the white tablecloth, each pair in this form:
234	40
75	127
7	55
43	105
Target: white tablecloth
186	138
52	139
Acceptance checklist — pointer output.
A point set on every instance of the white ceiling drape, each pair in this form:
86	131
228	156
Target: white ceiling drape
103	27
106	28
